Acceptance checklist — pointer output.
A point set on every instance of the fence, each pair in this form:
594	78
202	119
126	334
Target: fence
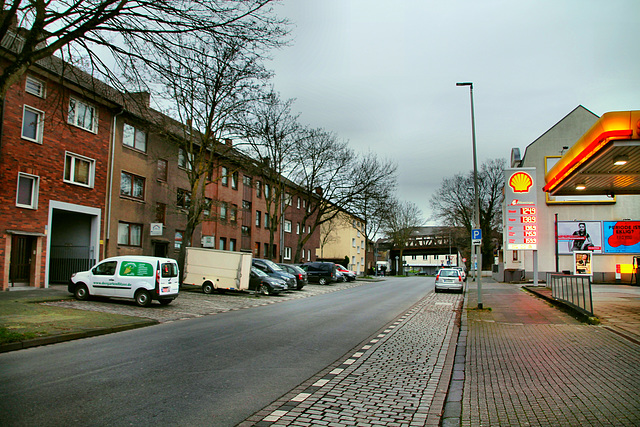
573	290
66	260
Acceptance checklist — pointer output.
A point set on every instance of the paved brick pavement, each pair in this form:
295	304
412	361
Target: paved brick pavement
525	363
398	377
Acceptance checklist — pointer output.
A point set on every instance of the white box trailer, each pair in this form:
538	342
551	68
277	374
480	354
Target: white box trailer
217	270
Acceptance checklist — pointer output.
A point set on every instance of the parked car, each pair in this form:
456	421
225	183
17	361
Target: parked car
340	277
322	273
350	275
449	279
142	278
274	270
298	273
261	282
463	273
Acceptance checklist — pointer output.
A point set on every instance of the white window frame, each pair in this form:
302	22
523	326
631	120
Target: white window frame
42	93
298	203
136	135
73	119
35	187
39	124
74	157
287	226
287	252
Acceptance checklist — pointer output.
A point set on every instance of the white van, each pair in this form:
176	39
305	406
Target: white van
143	278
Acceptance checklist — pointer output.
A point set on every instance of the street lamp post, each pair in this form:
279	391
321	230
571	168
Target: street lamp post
476	249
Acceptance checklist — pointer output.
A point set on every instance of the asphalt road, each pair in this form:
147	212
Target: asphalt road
214	370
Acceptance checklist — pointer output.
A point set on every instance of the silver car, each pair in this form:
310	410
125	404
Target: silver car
449	279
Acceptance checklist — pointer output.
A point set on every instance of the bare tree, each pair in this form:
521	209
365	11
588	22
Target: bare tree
403	219
271	132
208	87
454	205
330	177
372	203
100	34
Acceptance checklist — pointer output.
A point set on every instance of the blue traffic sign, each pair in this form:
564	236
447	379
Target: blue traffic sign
476	234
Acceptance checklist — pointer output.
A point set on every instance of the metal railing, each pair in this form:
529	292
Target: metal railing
573	290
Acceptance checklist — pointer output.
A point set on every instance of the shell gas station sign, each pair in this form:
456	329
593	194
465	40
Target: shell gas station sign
521	221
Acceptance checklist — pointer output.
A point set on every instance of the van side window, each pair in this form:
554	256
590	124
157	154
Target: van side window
105	269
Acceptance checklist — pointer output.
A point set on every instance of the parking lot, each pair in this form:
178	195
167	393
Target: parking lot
192	302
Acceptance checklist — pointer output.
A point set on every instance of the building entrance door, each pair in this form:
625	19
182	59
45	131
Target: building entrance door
20	264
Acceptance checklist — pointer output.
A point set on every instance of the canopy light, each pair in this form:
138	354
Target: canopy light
620	160
581	186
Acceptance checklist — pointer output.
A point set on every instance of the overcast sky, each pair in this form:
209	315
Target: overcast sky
382	75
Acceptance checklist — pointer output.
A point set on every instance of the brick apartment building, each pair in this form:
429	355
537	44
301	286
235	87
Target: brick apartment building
85	176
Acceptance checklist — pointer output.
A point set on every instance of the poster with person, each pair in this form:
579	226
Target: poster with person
579	236
582	263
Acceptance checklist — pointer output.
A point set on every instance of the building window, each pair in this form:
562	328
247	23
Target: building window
206	210
256	250
232	244
287	252
302	256
267	191
287	226
234	180
35	87
131	185
258	218
183	200
224	176
353	243
83	115
163	166
223	243
27	194
134	138
129	234
245	230
288	199
223	211
161	212
258	189
247	181
32	124
185	160
79	170
266	250
298	203
246	205
297	228
309	255
266	220
177	240
233	213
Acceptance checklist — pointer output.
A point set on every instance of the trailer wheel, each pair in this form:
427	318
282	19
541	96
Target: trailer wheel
207	288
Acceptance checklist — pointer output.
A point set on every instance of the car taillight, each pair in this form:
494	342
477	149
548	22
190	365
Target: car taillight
437	276
299	276
459	278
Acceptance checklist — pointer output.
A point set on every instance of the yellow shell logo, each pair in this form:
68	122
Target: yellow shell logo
520	182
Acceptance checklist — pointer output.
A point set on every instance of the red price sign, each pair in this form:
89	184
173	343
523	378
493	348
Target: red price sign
528	211
528	219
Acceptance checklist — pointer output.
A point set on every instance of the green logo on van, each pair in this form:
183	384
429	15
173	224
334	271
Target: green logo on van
136	269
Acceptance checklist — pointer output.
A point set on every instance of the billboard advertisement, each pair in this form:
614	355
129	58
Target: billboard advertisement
579	236
521	214
622	237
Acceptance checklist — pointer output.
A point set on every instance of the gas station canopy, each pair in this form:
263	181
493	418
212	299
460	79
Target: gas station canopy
604	161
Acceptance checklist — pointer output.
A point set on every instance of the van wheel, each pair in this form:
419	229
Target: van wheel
207	288
81	293
165	301
143	299
264	290
322	281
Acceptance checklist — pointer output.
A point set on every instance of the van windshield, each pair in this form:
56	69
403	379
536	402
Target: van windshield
169	269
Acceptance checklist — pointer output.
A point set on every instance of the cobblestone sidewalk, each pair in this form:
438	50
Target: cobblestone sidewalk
399	377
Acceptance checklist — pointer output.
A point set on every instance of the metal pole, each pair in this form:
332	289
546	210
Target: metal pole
477	249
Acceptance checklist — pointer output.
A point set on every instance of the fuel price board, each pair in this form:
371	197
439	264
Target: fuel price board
521	212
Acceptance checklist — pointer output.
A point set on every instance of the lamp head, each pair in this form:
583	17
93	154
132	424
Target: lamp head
464	84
